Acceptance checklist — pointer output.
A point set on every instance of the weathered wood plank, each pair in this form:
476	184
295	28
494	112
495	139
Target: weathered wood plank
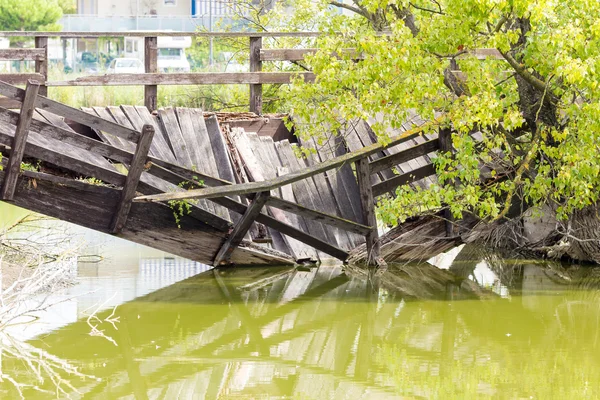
255	187
304	193
120	118
445	139
191	78
399	180
161	147
299	54
315	215
22	78
404	156
71	34
22	54
136	167
255	66
103	113
151	66
363	174
19	140
5	102
240	229
271	222
70	113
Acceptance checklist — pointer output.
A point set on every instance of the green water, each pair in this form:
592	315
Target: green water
318	334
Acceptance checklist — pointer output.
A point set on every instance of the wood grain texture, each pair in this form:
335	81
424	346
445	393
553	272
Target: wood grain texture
19	140
363	175
191	78
136	167
256	101
151	66
22	54
240	229
41	64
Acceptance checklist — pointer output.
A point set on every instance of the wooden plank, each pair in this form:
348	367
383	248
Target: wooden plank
161	147
103	113
189	78
404	156
255	187
137	122
41	64
98	34
218	146
240	229
329	205
151	66
22	54
304	192
299	54
300	249
7	103
363	175
271	222
120	118
21	78
136	168
399	180
19	140
325	218
170	126
71	113
255	66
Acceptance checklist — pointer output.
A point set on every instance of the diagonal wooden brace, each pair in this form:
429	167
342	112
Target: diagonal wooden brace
235	238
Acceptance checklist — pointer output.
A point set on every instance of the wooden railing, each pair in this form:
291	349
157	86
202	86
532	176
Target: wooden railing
255	78
151	79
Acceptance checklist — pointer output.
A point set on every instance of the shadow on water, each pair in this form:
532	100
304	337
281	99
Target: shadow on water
529	332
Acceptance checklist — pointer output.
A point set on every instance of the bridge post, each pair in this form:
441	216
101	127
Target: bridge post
151	66
256	100
136	167
363	175
445	140
41	65
17	147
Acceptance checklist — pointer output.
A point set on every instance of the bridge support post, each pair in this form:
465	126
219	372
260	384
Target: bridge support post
363	175
151	66
133	178
236	236
256	100
17	148
445	139
41	65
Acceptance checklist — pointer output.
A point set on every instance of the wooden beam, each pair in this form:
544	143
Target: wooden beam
20	79
191	78
71	34
133	178
298	54
22	54
404	156
363	176
41	65
445	138
19	141
151	66
73	114
255	66
399	180
240	229
176	178
318	216
272	184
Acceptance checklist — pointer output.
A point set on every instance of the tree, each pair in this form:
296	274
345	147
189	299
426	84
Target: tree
537	108
29	15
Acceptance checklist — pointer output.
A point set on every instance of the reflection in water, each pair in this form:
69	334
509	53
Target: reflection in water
282	333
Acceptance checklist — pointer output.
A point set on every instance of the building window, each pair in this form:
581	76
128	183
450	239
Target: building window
170	2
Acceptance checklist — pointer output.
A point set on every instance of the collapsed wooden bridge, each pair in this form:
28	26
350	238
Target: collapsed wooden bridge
254	200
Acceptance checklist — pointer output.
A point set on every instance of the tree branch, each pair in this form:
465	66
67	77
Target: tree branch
349	7
523	73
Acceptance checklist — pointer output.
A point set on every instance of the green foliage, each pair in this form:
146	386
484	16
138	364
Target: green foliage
538	111
183	207
32	167
30	15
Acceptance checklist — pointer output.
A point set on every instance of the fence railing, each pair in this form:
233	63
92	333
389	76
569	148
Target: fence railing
255	78
152	78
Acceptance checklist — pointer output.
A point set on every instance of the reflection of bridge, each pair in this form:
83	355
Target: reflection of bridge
318	203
